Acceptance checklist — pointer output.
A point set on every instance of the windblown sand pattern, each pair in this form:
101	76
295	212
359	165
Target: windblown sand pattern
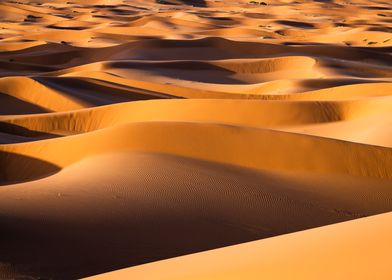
133	132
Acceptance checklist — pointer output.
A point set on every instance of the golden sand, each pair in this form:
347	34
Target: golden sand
195	139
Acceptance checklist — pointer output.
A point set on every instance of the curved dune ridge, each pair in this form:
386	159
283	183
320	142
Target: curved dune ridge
138	138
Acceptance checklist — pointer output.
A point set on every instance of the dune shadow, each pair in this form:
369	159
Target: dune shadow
13	67
67	27
15	168
316	84
195	71
12	133
195	3
96	92
296	24
13	106
380	8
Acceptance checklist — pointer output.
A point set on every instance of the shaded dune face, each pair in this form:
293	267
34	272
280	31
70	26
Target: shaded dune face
137	131
17	168
195	3
194	205
14	106
12	133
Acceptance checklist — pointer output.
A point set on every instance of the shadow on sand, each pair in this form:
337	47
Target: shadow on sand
195	3
16	168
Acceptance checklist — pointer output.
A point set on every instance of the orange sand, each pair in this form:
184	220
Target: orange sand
133	132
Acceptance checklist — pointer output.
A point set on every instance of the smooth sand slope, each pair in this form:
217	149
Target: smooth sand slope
132	132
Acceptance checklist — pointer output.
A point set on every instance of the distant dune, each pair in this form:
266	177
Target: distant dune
134	133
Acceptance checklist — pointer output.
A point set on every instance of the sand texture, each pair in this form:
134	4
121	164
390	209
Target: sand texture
181	139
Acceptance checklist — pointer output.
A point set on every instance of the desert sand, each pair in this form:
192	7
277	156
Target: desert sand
180	139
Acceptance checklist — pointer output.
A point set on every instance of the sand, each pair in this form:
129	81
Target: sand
350	250
138	138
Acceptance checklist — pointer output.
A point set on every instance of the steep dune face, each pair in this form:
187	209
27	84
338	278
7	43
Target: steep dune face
137	131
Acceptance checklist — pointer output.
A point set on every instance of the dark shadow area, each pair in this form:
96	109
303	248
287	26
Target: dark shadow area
37	62
381	29
215	48
14	106
376	8
97	92
16	168
67	27
105	6
14	129
196	71
12	133
195	3
32	19
316	84
296	24
124	12
13	67
360	69
56	54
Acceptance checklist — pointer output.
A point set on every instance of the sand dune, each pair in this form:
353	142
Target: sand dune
137	131
194	205
329	252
